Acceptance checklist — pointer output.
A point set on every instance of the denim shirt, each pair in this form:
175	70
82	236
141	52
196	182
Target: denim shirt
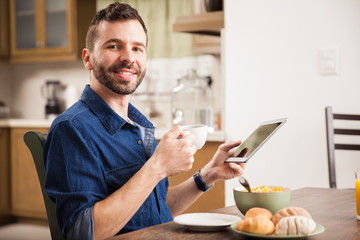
90	152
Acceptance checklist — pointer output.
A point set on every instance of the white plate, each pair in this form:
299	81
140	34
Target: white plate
206	221
318	230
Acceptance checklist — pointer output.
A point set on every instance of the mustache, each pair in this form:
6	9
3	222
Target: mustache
117	66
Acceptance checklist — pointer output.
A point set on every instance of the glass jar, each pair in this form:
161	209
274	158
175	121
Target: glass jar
192	101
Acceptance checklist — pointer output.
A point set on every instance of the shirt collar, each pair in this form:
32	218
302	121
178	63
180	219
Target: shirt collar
111	120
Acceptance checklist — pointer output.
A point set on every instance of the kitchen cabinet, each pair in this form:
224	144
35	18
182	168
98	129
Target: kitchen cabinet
4	29
26	197
215	197
20	192
49	30
4	175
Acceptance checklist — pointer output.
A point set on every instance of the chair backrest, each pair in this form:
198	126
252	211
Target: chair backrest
331	145
35	142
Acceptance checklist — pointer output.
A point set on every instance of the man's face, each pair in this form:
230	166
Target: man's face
119	56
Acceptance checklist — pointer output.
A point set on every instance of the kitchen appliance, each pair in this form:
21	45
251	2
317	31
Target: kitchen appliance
51	92
4	110
192	101
70	95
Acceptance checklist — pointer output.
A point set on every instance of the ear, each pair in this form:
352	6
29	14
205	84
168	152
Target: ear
86	59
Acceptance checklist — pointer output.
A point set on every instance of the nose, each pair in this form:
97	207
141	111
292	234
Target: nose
127	55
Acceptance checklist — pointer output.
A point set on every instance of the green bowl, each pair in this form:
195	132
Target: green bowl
273	201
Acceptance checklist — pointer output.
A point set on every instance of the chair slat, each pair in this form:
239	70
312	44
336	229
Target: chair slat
346	116
347	131
347	147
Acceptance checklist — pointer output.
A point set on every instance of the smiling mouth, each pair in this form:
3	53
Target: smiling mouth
125	73
124	70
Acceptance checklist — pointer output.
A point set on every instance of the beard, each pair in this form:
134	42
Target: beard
123	87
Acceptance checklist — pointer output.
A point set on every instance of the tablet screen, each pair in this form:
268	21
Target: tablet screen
258	137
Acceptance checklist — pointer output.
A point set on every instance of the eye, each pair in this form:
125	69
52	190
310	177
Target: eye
113	47
139	49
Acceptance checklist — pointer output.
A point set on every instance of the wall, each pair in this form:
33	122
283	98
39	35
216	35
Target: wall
271	71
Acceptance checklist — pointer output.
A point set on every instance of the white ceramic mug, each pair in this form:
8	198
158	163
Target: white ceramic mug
199	131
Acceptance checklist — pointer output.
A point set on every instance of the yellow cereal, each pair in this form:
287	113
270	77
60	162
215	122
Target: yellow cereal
265	189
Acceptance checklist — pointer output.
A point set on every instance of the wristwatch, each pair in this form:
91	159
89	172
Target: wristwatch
200	182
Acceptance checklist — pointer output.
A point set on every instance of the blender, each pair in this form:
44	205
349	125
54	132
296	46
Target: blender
50	91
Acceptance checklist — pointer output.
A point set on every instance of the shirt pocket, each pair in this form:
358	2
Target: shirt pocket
116	178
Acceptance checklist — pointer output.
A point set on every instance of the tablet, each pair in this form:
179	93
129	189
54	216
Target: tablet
248	148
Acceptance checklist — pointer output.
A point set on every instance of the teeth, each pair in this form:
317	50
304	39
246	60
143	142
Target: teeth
126	73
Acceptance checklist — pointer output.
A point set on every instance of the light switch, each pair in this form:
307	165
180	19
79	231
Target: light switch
328	57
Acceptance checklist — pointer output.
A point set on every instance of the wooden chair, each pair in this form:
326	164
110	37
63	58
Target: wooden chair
331	145
35	142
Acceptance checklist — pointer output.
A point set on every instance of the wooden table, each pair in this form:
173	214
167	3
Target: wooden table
333	208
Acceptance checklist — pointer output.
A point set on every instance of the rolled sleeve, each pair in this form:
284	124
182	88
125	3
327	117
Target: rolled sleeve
83	227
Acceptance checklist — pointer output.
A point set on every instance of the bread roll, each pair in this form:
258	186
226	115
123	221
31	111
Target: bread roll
258	225
256	211
295	225
290	211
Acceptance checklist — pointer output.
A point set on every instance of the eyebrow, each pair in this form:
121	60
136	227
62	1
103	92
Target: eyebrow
115	40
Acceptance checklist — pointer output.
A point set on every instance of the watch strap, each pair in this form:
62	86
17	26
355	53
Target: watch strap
200	182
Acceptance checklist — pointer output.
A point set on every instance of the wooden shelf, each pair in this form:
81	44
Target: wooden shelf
205	44
209	23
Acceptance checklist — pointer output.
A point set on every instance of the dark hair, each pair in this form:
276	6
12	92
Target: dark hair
114	12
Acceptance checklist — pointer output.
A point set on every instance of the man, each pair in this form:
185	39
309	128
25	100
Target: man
104	169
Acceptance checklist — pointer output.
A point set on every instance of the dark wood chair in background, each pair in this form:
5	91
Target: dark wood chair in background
331	145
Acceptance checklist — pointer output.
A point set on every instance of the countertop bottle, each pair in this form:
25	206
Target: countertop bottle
192	100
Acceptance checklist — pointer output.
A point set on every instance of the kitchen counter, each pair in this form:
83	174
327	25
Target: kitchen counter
216	136
25	123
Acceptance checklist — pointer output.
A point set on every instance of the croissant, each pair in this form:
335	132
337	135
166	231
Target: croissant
290	211
258	225
295	225
253	212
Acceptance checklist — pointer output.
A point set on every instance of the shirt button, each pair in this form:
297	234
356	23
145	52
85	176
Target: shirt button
139	142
